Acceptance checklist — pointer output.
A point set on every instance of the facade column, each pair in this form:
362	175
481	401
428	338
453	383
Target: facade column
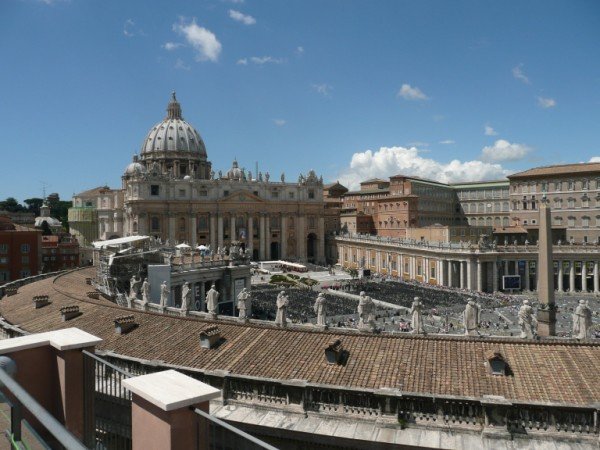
261	237
321	240
449	284
441	272
527	281
584	276
462	268
560	276
469	267
401	270
596	281
219	231
479	276
232	236
495	277
213	232
301	238
193	227
283	237
250	237
143	224
171	229
268	237
572	276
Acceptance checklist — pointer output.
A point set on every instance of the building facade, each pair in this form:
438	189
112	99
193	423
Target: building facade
484	203
172	193
20	251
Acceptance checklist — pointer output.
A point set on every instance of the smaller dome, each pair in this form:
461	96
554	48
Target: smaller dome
235	173
51	221
187	178
135	168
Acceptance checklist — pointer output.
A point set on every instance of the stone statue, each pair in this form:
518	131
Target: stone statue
134	287
282	303
527	321
267	176
212	300
164	294
320	309
212	174
186	297
283	177
582	320
417	316
220	174
145	291
471	317
365	312
260	178
244	304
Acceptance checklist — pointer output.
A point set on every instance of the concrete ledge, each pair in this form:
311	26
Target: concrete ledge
66	339
170	390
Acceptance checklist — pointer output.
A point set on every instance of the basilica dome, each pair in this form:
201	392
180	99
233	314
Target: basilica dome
173	134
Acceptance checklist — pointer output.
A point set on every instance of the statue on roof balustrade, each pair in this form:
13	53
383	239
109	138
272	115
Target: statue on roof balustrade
417	316
527	321
145	291
164	294
244	304
282	303
471	318
366	318
582	320
186	297
212	300
320	309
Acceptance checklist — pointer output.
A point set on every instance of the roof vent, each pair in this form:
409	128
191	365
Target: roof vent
497	363
69	312
335	353
93	294
88	281
124	324
12	290
40	301
210	337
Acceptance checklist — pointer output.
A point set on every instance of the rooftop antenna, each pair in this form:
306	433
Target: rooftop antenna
256	173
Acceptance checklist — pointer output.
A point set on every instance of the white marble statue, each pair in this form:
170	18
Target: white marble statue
212	300
186	297
134	287
582	320
417	316
145	291
320	309
244	304
471	317
527	321
164	294
365	311
282	303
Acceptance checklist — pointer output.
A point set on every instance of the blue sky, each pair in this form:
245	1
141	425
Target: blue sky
444	89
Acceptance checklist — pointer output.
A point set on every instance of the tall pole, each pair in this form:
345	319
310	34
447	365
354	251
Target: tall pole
547	311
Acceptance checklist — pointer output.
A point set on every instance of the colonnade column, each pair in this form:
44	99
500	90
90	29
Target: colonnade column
401	271
268	237
213	232
584	276
469	266
495	277
193	227
321	240
250	237
479	276
219	231
462	265
449	284
596	281
527	281
560	276
283	237
440	272
261	237
572	276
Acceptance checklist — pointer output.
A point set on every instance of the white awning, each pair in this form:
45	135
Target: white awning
182	246
119	241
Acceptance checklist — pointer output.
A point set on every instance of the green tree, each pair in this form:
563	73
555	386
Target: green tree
34	204
11	205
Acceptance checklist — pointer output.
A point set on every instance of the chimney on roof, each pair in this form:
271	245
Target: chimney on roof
40	301
209	337
335	353
124	324
69	312
12	290
93	294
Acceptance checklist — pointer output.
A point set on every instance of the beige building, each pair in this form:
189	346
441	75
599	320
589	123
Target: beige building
484	203
574	194
171	192
447	233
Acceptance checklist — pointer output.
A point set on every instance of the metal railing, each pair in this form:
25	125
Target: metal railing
108	405
222	436
21	403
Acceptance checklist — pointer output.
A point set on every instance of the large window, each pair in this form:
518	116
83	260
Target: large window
154	189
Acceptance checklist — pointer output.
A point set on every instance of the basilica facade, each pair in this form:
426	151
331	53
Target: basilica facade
170	191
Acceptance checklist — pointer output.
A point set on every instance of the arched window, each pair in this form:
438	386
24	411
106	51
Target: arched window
505	221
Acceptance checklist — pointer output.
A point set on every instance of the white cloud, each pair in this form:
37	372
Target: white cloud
235	2
279	122
546	102
389	161
489	131
595	159
447	142
323	89
179	64
504	151
408	92
241	17
204	41
519	75
299	50
260	60
170	46
242	61
130	28
418	144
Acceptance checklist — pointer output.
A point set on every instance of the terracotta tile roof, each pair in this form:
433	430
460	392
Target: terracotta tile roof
552	371
563	169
